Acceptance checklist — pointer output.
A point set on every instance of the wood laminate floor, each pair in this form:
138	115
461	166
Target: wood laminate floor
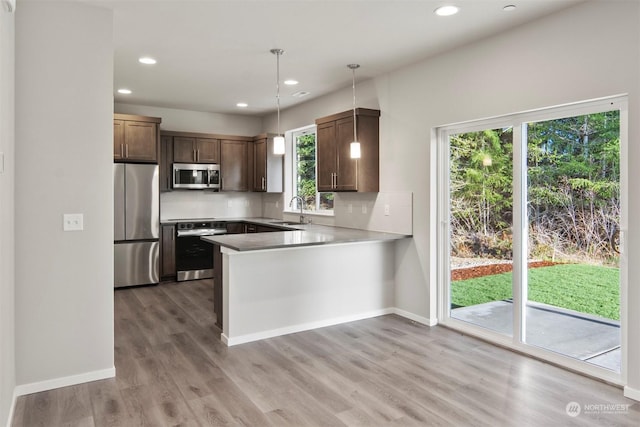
172	370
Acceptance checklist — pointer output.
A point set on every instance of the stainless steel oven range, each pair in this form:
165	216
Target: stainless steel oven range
194	257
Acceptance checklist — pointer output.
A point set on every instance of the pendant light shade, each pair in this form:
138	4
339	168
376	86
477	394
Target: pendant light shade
355	150
278	145
355	145
278	141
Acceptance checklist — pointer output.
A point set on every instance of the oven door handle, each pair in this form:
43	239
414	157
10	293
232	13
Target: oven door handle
196	233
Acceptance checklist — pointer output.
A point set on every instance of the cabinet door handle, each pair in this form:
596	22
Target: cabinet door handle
126	150
195	158
122	151
263	182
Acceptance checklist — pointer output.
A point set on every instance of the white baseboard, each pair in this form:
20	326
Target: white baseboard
632	393
24	389
415	317
242	339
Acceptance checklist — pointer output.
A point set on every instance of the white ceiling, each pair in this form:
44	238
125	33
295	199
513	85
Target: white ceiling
212	54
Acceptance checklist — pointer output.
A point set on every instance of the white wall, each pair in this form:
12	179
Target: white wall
7	278
64	134
584	52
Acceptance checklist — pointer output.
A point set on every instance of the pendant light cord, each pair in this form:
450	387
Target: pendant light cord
353	86
278	87
277	53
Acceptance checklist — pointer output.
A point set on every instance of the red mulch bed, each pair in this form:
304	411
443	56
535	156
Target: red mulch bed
486	270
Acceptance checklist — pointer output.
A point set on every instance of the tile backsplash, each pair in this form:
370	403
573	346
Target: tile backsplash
390	212
205	204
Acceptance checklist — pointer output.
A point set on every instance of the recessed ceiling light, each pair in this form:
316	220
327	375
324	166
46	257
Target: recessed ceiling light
509	8
447	10
300	94
124	91
242	105
291	82
147	60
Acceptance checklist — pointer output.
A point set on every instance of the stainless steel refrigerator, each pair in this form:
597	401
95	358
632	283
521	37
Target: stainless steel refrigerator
136	224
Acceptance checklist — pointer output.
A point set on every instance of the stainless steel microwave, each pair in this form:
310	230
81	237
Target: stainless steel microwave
194	176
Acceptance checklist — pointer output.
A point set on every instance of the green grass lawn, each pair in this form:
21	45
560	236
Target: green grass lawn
584	288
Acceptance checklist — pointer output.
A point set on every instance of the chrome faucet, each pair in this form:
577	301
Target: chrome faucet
301	201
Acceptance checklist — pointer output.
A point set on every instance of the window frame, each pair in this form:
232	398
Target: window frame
291	190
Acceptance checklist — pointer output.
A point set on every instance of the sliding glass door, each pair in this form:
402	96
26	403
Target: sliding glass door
573	210
531	212
481	200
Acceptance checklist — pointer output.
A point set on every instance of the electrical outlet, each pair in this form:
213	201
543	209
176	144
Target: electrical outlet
350	208
73	222
387	210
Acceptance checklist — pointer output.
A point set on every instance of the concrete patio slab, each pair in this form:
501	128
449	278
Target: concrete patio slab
563	331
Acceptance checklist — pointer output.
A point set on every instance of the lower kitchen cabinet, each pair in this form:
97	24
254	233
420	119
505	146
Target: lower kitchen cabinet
235	227
168	251
256	228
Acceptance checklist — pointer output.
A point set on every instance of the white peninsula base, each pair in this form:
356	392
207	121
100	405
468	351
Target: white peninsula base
267	293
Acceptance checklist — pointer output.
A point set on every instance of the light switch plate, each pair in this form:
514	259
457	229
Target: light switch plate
73	222
387	210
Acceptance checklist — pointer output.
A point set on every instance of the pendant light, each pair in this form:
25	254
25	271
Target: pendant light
278	141
355	145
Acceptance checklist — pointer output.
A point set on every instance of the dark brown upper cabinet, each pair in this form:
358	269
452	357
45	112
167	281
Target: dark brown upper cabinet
188	149
166	162
266	168
136	138
337	171
234	165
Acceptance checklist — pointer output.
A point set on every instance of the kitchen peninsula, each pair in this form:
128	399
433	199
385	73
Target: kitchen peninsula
303	277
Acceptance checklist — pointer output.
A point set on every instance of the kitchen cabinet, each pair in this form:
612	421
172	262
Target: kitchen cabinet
235	227
267	229
166	162
168	251
234	165
265	167
135	138
188	149
336	170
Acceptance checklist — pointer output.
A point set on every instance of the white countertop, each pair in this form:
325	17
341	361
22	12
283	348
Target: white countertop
295	235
